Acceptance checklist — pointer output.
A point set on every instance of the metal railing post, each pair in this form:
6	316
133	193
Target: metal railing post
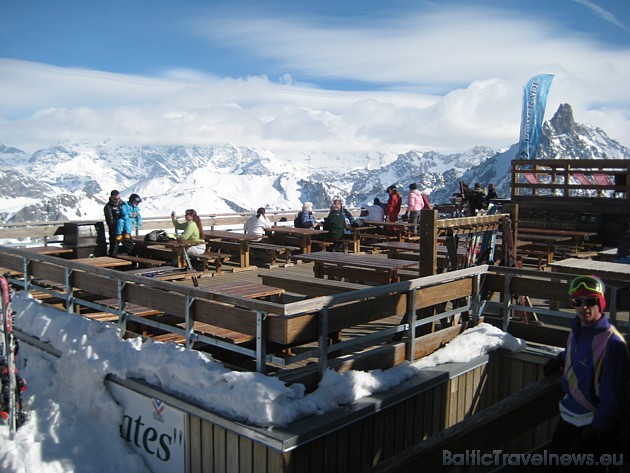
475	302
122	316
322	341
261	343
411	327
507	299
190	322
69	291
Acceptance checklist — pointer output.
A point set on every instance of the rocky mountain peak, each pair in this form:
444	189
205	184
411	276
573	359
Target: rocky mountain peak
563	122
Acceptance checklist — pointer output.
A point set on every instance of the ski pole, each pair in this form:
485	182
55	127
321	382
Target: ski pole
186	258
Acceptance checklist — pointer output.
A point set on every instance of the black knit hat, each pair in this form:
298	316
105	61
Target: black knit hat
135	198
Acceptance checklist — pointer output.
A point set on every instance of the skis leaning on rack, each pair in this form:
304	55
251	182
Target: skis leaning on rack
11	384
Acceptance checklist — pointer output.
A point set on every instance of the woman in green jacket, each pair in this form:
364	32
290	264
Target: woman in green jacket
193	230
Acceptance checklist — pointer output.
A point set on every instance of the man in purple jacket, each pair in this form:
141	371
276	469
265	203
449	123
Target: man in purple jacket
595	377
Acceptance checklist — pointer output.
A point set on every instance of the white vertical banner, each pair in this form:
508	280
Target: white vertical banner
153	429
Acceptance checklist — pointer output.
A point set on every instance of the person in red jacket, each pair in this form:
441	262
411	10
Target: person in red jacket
392	208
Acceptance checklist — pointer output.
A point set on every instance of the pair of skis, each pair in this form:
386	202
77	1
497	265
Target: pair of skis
11	384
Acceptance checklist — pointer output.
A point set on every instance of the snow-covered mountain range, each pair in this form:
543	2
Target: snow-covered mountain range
73	180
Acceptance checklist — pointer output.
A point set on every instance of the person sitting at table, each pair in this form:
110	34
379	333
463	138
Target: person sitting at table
256	224
305	218
373	212
129	217
193	230
335	222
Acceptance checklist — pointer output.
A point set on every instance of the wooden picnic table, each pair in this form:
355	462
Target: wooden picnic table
166	273
302	236
604	269
352	266
357	233
246	289
577	236
103	262
177	248
240	238
48	250
547	241
400	229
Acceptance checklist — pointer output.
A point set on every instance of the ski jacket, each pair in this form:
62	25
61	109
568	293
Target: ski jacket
595	379
335	224
191	231
127	211
256	225
392	209
112	211
414	201
306	219
425	200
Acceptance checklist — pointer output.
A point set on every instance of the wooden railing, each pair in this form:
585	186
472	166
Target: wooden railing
53	230
567	179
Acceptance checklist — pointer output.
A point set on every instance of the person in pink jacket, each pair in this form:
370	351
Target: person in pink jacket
415	204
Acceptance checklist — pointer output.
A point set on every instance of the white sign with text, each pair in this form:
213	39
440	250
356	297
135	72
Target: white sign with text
153	429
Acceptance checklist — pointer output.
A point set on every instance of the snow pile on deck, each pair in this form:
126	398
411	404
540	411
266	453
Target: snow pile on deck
72	411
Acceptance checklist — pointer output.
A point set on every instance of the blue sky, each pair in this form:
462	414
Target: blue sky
299	76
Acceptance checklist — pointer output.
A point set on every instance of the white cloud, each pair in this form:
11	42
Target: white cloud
448	80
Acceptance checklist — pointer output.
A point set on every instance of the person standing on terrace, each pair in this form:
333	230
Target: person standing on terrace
595	370
415	204
193	230
392	208
113	212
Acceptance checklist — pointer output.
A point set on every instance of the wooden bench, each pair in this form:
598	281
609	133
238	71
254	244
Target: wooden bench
322	245
142	262
212	257
308	285
269	252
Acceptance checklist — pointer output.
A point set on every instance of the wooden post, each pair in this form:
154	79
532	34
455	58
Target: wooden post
428	242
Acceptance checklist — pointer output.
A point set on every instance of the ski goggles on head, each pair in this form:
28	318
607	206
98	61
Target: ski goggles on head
589	283
587	301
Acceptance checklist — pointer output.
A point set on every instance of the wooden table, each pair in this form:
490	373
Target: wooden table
246	289
302	236
352	266
103	262
548	241
48	250
166	273
604	269
400	229
577	236
177	248
240	238
357	233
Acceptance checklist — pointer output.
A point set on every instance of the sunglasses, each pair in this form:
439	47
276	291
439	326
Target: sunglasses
588	301
589	284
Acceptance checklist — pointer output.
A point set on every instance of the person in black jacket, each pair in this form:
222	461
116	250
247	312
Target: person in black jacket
112	211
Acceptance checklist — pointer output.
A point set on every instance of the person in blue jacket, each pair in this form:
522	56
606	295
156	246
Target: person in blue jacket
595	370
130	216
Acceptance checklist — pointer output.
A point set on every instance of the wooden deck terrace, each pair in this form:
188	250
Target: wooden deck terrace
297	326
407	427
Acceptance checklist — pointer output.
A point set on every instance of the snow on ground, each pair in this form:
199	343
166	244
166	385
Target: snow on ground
74	419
